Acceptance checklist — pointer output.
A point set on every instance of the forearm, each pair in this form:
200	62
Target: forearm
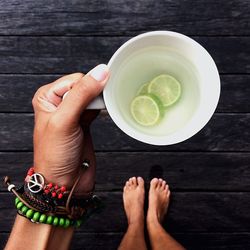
27	234
32	236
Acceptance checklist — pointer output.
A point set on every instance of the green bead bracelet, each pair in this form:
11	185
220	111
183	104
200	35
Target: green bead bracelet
37	217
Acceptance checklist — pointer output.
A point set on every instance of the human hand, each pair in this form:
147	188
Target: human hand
60	122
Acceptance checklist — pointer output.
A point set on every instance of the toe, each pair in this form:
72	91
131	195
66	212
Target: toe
130	181
159	186
133	180
166	187
154	182
140	182
163	185
168	194
127	184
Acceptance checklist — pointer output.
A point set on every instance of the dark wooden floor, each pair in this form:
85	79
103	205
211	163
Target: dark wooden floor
209	174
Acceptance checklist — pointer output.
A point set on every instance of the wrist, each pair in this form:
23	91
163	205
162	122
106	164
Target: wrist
52	175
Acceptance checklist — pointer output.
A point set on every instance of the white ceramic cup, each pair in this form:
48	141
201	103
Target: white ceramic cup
148	55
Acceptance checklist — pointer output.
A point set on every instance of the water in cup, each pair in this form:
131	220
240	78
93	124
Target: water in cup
142	66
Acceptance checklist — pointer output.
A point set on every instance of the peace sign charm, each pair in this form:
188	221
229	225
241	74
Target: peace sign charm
36	183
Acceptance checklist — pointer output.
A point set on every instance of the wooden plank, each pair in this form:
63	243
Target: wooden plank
225	132
211	241
85	241
17	92
189	212
114	17
183	171
51	55
193	241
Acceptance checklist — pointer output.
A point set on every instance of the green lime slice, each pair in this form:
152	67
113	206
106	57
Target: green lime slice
145	110
143	90
166	88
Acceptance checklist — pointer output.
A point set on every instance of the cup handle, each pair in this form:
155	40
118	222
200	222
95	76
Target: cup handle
97	103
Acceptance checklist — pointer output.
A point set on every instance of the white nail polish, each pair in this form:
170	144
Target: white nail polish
100	72
65	94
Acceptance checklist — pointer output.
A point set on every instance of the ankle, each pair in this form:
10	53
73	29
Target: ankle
153	218
136	221
154	227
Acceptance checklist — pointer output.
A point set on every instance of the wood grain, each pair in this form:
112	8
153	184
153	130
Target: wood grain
208	208
118	18
208	174
17	92
183	171
192	241
51	55
224	132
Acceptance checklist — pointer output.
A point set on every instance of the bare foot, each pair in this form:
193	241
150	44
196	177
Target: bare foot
159	194
133	199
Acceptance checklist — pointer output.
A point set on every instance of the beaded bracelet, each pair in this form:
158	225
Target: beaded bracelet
37	217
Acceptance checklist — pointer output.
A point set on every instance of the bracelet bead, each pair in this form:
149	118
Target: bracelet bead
49	219
16	200
67	223
24	210
19	205
36	216
43	218
60	196
55	221
29	213
61	222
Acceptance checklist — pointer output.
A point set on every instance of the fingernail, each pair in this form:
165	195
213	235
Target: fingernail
100	72
65	95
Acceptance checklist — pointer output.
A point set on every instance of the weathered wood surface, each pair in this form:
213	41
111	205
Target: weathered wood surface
224	132
208	174
16	92
189	212
192	241
61	55
118	17
183	171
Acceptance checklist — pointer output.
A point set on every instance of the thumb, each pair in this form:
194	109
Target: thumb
82	93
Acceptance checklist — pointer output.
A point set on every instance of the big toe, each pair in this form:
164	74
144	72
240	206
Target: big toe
154	182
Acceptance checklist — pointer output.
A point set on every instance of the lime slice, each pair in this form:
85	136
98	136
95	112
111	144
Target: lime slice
145	110
143	90
166	88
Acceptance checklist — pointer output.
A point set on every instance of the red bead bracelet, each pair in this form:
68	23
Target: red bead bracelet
48	189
